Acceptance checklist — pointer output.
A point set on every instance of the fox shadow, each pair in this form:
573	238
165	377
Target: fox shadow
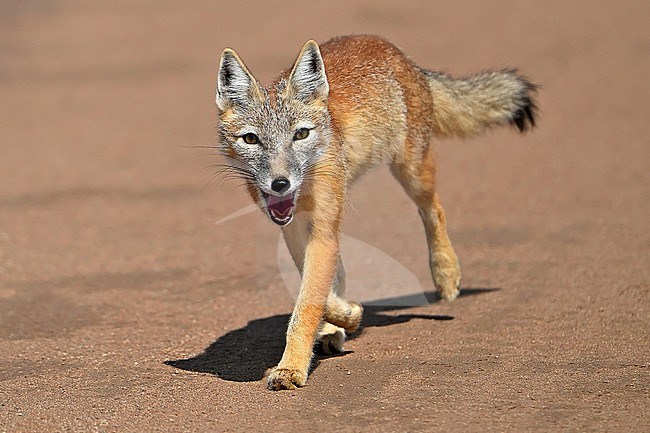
244	355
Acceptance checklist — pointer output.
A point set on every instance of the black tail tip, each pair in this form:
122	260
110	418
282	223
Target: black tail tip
526	113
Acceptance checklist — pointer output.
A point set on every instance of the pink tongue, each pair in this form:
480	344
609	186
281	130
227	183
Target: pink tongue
280	205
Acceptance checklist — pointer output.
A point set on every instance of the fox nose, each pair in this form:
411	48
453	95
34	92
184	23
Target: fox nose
280	184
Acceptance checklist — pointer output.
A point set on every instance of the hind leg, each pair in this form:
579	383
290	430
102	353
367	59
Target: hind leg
416	174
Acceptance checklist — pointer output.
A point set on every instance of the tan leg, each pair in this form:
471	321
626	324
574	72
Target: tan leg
416	173
318	270
340	315
343	313
339	311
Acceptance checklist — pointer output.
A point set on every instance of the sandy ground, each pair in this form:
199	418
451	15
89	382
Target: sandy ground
125	307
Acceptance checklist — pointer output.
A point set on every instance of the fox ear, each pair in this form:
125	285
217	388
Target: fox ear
235	85
307	78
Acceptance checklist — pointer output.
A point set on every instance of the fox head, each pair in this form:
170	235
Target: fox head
273	137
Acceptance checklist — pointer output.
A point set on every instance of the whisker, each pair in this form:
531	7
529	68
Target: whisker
209	181
197	147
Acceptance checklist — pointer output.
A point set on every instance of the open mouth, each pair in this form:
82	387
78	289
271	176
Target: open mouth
280	209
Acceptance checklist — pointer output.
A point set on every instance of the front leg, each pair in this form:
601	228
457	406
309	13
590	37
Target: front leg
316	228
321	255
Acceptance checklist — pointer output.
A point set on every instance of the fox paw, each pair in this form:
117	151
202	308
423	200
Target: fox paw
446	275
284	378
355	317
330	339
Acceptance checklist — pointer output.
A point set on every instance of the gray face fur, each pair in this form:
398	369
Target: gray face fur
274	115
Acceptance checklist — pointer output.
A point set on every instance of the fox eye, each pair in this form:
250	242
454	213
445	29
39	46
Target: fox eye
301	134
250	138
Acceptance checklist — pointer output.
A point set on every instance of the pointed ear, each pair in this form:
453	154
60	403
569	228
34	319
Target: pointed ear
235	85
307	79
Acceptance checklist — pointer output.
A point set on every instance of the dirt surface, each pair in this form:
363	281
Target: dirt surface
125	307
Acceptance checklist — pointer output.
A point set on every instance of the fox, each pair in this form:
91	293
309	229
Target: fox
302	141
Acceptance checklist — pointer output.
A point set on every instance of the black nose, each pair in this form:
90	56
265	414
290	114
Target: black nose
280	184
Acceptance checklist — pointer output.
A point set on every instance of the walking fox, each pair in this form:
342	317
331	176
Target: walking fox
302	141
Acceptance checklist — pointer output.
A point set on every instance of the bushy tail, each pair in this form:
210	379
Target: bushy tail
469	106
